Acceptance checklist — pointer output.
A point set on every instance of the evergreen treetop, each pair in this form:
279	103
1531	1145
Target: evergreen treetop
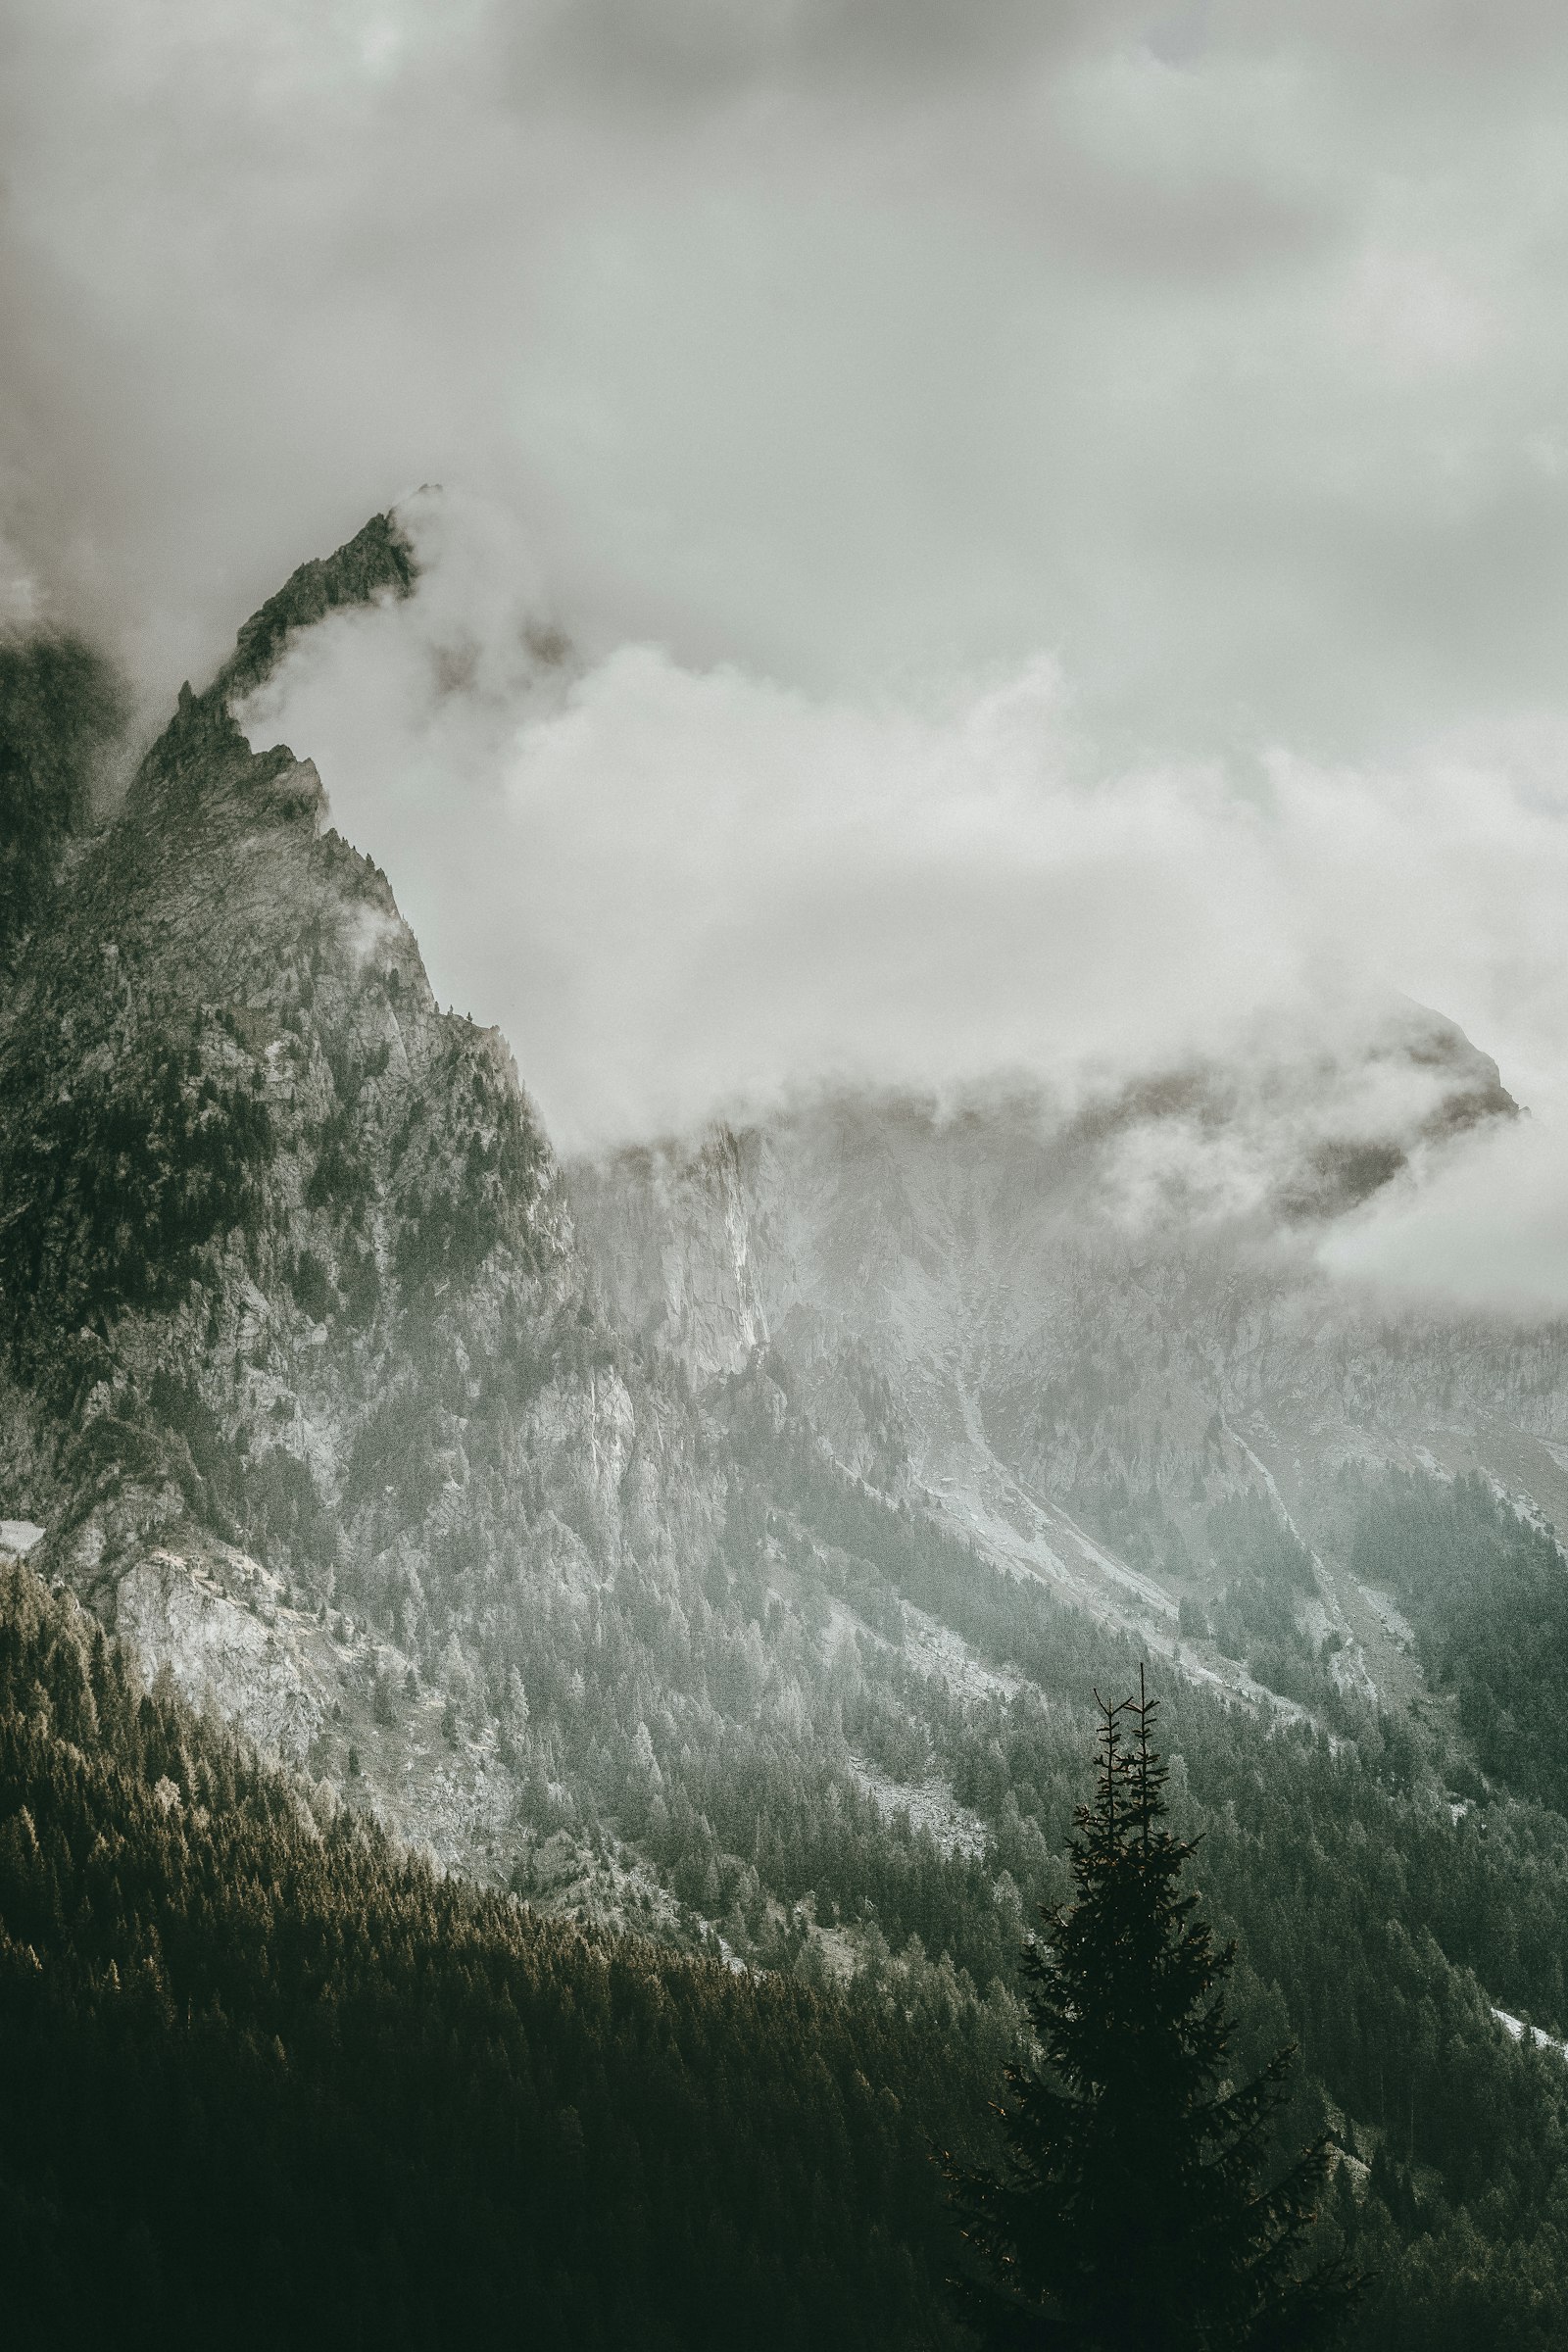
1130	2210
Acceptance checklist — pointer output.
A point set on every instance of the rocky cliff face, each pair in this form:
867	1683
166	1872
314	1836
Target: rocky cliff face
287	1272
981	1319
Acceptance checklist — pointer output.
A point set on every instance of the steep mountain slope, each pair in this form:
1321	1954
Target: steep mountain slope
286	1271
507	1499
62	712
1073	1337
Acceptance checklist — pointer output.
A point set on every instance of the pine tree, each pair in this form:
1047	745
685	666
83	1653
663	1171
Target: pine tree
1129	2212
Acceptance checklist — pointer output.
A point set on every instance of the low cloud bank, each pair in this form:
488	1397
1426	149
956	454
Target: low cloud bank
684	893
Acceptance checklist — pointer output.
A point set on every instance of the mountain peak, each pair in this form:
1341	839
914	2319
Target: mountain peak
377	562
203	745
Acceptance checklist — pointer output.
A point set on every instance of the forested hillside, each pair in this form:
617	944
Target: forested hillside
1489	1597
287	2082
265	2081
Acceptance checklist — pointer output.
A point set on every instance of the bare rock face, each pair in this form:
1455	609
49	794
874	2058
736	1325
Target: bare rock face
229	1644
672	1235
439	1473
327	1694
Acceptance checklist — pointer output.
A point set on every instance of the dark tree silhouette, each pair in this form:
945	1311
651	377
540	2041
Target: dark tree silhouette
1130	2210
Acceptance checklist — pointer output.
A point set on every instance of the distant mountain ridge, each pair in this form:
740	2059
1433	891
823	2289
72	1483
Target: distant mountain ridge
333	1386
971	1308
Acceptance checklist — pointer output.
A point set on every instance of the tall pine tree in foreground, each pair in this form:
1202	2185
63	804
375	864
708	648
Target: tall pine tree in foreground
1130	2211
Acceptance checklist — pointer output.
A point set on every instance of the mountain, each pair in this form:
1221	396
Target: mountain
986	1316
287	1272
722	1542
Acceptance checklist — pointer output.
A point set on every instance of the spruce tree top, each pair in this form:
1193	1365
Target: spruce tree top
1130	2211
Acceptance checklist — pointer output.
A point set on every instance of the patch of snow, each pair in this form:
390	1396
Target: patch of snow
17	1538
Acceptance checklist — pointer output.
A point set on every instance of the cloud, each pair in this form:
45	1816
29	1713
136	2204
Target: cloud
1487	1230
687	892
21	600
1218	349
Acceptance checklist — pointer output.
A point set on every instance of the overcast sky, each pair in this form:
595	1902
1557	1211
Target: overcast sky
1171	395
1218	349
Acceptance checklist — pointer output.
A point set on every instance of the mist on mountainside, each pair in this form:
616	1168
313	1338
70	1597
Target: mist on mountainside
695	895
713	1542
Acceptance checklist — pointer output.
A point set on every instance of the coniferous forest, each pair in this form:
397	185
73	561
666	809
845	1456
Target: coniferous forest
287	2084
266	2081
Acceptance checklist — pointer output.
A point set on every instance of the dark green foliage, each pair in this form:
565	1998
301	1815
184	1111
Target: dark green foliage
1195	1625
60	704
1488	1593
282	1505
130	1170
392	1449
263	2087
1130	2211
1374	1928
211	1471
1246	1534
339	1180
1132	1519
361	1277
1268	1571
